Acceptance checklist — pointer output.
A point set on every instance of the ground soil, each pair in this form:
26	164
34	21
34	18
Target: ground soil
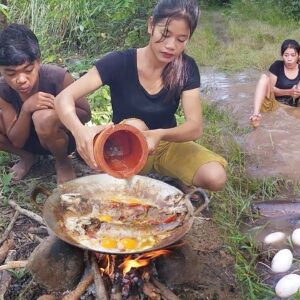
200	269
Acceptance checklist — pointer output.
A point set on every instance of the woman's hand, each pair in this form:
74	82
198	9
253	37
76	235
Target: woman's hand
295	92
37	101
85	143
255	120
153	138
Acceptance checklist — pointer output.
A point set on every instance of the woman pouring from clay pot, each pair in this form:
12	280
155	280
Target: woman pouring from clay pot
146	87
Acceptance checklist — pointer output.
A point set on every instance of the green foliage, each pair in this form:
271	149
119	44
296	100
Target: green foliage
19	273
92	26
101	107
264	10
291	8
5	179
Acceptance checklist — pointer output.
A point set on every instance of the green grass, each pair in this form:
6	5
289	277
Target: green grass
231	207
251	43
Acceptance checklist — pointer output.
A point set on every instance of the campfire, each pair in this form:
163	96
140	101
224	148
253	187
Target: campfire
130	275
119	277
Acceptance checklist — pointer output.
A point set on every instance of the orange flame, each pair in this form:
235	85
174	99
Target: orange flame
108	262
141	261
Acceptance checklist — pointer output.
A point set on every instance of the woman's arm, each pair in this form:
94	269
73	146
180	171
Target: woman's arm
190	130
82	106
293	92
65	108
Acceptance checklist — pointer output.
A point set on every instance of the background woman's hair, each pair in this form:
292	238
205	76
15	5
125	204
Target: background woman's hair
174	75
290	44
18	44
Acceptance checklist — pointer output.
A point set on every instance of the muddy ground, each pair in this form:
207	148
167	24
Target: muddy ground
200	269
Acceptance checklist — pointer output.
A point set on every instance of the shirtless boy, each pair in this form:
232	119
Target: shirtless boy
29	125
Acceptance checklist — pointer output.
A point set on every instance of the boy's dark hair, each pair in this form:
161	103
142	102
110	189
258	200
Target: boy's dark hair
290	44
18	45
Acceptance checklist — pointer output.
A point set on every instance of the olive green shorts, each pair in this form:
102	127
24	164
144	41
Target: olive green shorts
271	104
180	160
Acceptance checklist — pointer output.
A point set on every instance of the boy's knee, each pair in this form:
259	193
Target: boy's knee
45	121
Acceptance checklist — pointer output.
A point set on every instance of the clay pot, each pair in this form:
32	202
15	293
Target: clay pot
121	150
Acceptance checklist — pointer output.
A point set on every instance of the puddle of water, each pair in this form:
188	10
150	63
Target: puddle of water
274	146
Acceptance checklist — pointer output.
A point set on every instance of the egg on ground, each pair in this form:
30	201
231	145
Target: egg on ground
274	237
282	261
296	237
288	286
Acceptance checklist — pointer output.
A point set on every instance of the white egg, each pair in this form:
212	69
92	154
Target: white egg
296	237
282	261
274	237
287	286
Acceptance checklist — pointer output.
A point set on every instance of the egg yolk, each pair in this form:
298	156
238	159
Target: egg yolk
105	218
147	243
128	243
108	242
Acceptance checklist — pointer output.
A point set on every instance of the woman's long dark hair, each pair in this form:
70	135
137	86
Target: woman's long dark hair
290	44
174	75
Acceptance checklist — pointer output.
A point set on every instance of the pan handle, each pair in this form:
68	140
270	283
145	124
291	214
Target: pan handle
36	191
205	199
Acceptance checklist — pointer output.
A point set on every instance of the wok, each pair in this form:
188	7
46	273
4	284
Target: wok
141	187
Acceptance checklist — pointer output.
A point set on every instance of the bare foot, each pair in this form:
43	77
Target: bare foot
21	168
64	171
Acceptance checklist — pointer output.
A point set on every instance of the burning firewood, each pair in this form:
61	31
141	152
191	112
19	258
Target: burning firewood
101	292
165	292
81	288
151	291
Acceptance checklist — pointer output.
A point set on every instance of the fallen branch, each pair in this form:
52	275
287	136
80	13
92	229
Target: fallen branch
39	230
166	293
26	212
8	245
14	265
9	228
5	277
81	288
101	293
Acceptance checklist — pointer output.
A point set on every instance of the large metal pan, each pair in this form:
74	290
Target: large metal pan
101	184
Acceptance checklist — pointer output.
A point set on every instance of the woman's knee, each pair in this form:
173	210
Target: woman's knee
137	123
211	176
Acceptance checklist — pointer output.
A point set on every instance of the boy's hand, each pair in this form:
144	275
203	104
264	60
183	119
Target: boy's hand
38	101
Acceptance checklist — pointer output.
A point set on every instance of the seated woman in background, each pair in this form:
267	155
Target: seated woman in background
281	86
